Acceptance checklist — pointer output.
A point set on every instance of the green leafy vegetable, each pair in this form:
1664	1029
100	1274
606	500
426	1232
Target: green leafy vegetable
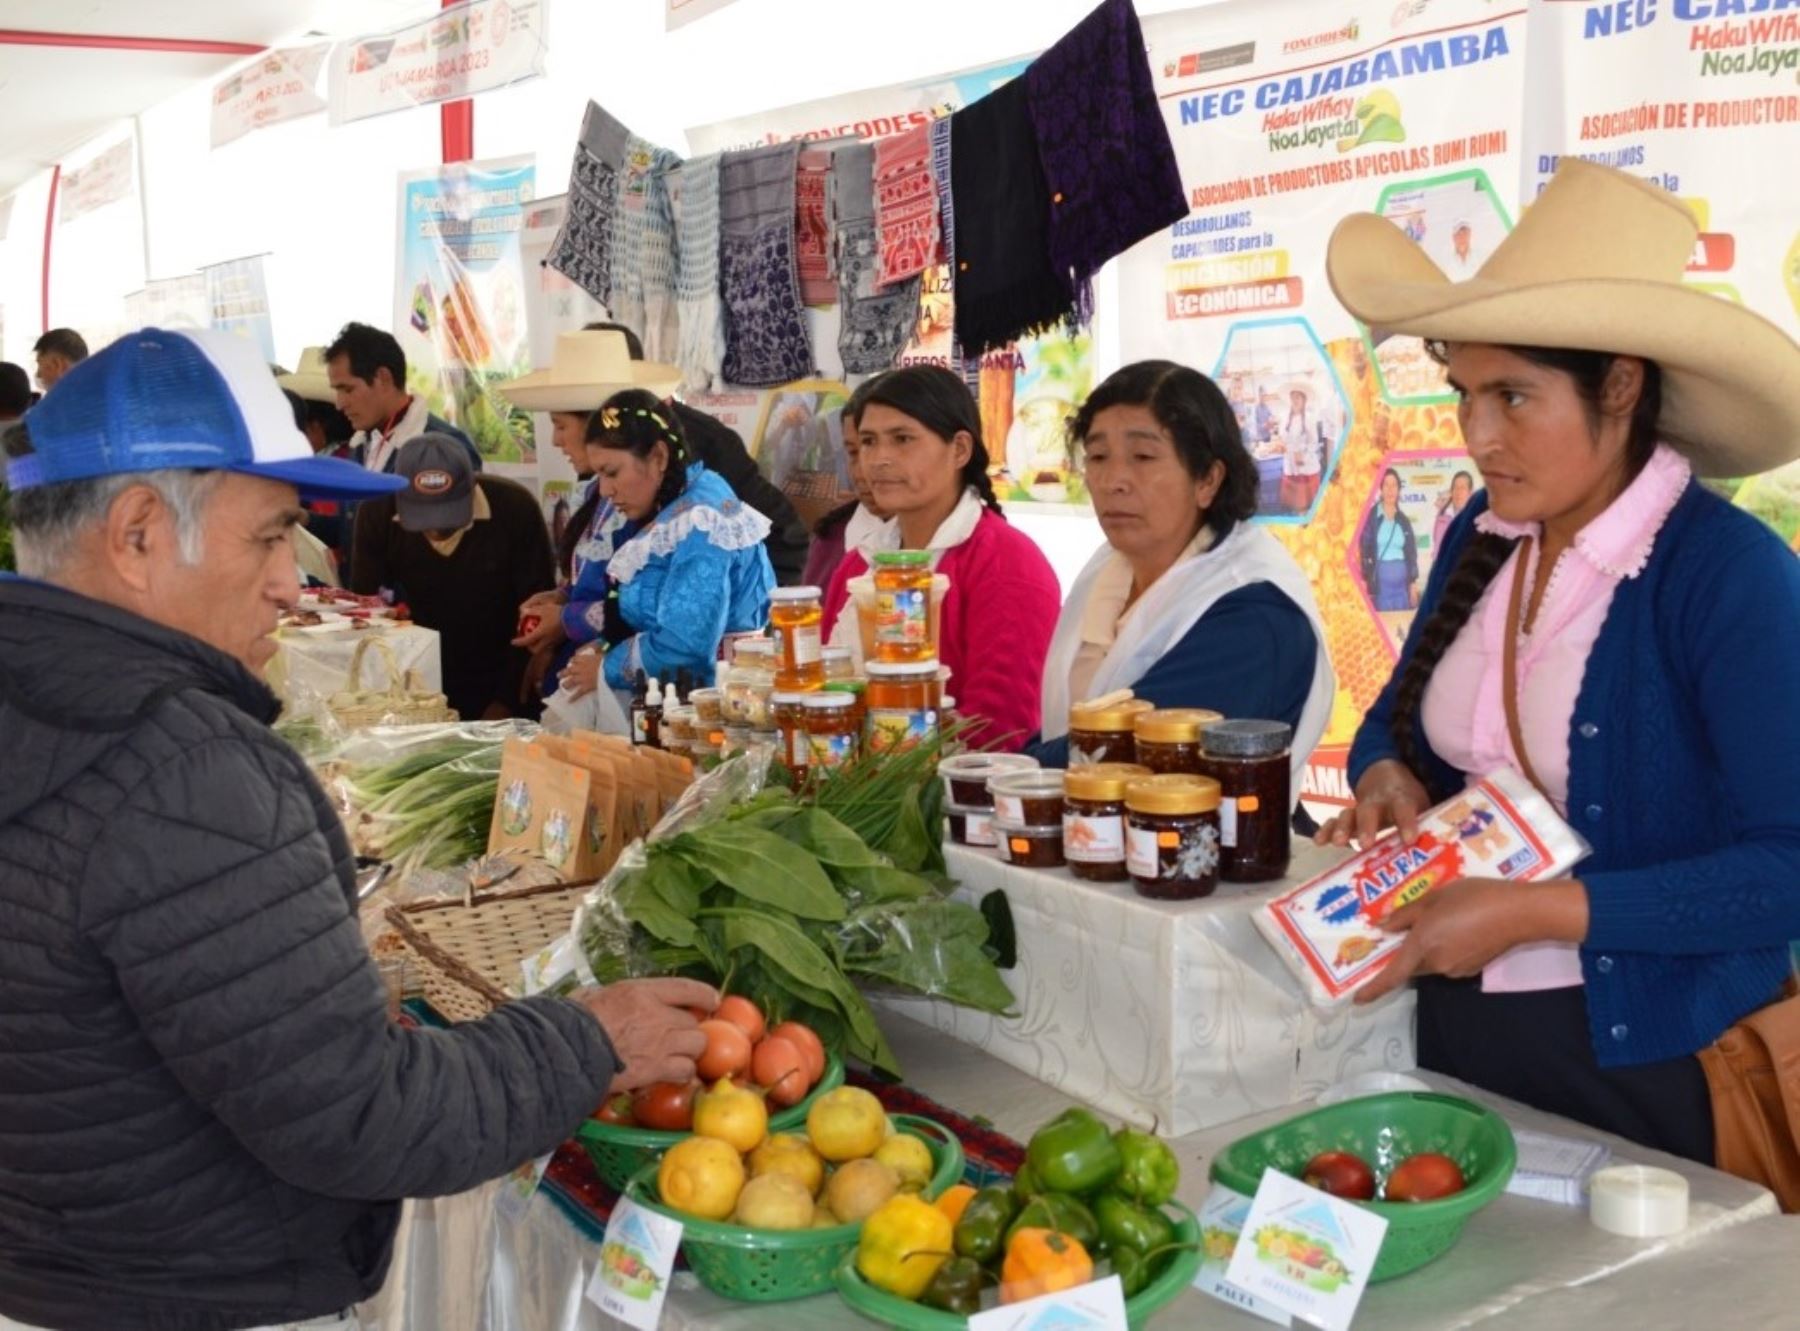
764	867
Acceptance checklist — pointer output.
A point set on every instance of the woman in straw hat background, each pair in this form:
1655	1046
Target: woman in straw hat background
1655	631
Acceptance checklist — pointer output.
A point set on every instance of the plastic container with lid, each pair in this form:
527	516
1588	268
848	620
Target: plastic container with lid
1168	739
967	775
708	705
749	684
902	701
1029	847
840	663
903	606
970	827
1094	819
678	730
1251	762
1029	799
831	730
789	712
795	618
1172	836
1105	734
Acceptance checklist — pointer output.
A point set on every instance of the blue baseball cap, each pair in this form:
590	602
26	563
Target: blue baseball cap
194	400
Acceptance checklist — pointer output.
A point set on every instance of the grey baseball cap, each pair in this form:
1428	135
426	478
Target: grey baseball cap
440	484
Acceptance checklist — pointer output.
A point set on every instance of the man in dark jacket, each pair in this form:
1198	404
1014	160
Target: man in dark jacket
207	1120
718	446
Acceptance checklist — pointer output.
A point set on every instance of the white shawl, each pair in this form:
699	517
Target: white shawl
1164	615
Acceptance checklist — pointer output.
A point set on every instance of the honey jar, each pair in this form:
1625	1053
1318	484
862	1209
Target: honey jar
1094	819
1172	836
902	702
840	664
795	617
1168	739
831	730
903	606
1105	734
790	719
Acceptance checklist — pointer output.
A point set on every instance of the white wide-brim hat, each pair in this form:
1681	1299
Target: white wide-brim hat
586	369
312	380
1596	264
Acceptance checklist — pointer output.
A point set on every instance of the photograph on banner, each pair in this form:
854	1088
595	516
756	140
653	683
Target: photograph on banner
553	305
1285	119
1701	100
238	295
798	443
277	86
467	49
560	499
1416	498
170	302
460	303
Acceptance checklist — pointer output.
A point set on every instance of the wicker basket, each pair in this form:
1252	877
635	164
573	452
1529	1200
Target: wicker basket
467	952
401	703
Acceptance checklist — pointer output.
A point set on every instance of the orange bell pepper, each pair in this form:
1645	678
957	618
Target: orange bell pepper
1042	1261
955	1201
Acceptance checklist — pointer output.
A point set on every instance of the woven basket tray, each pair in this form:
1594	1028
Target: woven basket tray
467	952
403	701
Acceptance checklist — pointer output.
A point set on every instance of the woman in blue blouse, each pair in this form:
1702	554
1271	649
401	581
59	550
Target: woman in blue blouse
1389	553
693	567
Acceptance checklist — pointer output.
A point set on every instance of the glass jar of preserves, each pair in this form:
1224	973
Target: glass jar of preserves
903	606
840	663
831	731
1172	836
1168	739
1094	819
1105	734
1251	761
1030	847
790	719
967	775
795	617
902	702
1028	799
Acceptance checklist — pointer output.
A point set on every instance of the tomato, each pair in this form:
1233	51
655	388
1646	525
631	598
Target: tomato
667	1106
1424	1178
616	1110
727	1050
742	1013
778	1065
812	1049
1341	1174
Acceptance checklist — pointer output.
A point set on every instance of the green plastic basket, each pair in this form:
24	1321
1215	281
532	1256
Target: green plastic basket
892	1310
1384	1130
769	1266
620	1152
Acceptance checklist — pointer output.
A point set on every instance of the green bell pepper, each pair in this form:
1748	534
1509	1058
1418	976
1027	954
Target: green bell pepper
956	1288
1148	1170
1025	1184
1074	1153
981	1233
1126	1225
1062	1213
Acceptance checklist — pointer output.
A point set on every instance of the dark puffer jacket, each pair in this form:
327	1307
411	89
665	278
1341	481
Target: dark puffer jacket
206	1119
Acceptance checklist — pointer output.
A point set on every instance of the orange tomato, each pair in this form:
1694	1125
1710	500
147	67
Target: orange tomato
776	1064
812	1049
743	1014
727	1050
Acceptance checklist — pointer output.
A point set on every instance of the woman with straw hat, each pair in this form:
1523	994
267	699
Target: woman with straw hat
1605	624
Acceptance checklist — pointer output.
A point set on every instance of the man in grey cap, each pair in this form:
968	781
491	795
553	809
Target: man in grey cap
463	551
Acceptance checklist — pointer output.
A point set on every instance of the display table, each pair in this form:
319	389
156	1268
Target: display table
1173	1012
1520	1263
315	662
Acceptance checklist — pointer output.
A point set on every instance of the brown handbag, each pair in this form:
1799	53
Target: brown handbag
1753	1070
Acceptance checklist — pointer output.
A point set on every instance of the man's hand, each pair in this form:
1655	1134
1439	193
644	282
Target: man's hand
651	1029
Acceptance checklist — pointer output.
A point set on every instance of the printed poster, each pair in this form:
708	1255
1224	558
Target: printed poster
238	298
107	178
1703	98
1028	392
467	49
172	302
1285	117
460	308
279	86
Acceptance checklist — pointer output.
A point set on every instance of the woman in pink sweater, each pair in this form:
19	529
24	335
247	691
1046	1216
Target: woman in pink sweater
920	436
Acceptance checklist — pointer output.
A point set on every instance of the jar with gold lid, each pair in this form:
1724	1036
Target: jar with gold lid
1094	819
1172	836
1103	734
1168	739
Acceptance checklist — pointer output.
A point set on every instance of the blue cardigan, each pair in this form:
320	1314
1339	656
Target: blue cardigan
1683	755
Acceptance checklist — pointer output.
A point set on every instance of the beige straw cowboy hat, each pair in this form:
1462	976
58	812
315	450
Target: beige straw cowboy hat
1596	264
586	369
311	381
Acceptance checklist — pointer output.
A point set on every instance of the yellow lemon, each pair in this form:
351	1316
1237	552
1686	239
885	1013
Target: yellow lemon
908	1157
790	1155
702	1177
732	1115
846	1124
861	1188
775	1201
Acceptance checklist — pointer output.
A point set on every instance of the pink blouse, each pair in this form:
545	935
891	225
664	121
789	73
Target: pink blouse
1464	711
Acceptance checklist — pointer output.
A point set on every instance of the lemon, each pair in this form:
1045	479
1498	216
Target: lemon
790	1155
908	1157
860	1189
775	1201
823	1218
846	1124
732	1115
701	1176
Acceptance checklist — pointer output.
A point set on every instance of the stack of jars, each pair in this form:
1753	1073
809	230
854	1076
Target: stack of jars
971	803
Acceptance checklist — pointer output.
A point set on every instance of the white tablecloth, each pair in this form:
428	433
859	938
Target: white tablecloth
316	662
1521	1265
1177	1012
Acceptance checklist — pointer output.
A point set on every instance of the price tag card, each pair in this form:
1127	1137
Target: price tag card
1221	1222
1306	1252
1099	1306
520	1186
636	1258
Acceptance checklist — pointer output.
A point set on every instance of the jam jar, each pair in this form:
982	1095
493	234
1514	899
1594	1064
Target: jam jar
970	827
831	730
1104	734
1030	847
1028	799
1251	762
967	775
1094	819
795	617
1168	740
1172	836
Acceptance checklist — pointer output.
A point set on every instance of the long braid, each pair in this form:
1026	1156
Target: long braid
977	476
1481	560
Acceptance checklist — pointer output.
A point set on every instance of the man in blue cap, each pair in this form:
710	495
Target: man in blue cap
207	1120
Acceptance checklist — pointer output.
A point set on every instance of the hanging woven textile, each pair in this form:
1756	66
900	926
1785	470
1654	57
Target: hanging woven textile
766	340
877	322
906	207
812	230
582	250
700	312
643	278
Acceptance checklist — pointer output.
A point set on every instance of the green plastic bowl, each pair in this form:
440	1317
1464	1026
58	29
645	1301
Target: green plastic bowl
1384	1130
892	1310
619	1152
769	1266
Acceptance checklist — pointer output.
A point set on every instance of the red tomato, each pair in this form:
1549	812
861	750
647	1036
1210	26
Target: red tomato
1341	1174
617	1110
812	1049
742	1013
778	1065
666	1106
1424	1178
727	1050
